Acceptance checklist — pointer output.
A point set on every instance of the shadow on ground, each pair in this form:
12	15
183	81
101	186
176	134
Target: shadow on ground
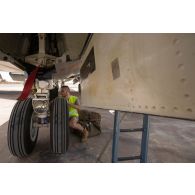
77	152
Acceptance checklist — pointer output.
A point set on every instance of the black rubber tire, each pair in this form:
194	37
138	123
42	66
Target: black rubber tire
79	88
18	135
53	93
59	128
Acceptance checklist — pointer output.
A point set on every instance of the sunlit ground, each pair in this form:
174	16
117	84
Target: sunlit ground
6	76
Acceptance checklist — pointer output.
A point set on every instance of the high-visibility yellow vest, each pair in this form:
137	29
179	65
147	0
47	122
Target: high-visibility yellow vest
72	111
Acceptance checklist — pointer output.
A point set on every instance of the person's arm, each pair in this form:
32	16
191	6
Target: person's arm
76	105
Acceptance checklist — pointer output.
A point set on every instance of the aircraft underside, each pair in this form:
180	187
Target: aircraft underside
142	73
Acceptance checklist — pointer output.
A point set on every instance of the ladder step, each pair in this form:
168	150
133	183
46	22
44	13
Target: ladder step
130	130
129	158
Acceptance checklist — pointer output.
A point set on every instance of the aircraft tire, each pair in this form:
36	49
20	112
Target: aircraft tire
59	128
21	142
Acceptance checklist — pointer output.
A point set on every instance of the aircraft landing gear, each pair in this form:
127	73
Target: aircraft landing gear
29	115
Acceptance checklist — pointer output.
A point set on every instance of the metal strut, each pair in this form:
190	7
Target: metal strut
144	140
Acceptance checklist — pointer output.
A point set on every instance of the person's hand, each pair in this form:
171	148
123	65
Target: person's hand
69	104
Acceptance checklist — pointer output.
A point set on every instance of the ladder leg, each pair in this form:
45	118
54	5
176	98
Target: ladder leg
115	137
145	137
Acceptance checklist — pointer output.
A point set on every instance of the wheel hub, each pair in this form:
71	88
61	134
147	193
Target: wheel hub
33	129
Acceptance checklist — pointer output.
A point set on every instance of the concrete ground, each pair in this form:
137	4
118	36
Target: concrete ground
171	140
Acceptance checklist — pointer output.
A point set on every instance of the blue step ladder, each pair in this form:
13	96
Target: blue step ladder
144	139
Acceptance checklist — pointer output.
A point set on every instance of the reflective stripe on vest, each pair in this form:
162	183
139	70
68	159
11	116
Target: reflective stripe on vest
72	111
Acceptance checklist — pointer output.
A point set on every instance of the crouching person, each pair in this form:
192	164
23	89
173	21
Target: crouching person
73	107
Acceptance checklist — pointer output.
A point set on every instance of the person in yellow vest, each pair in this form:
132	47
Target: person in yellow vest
73	107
